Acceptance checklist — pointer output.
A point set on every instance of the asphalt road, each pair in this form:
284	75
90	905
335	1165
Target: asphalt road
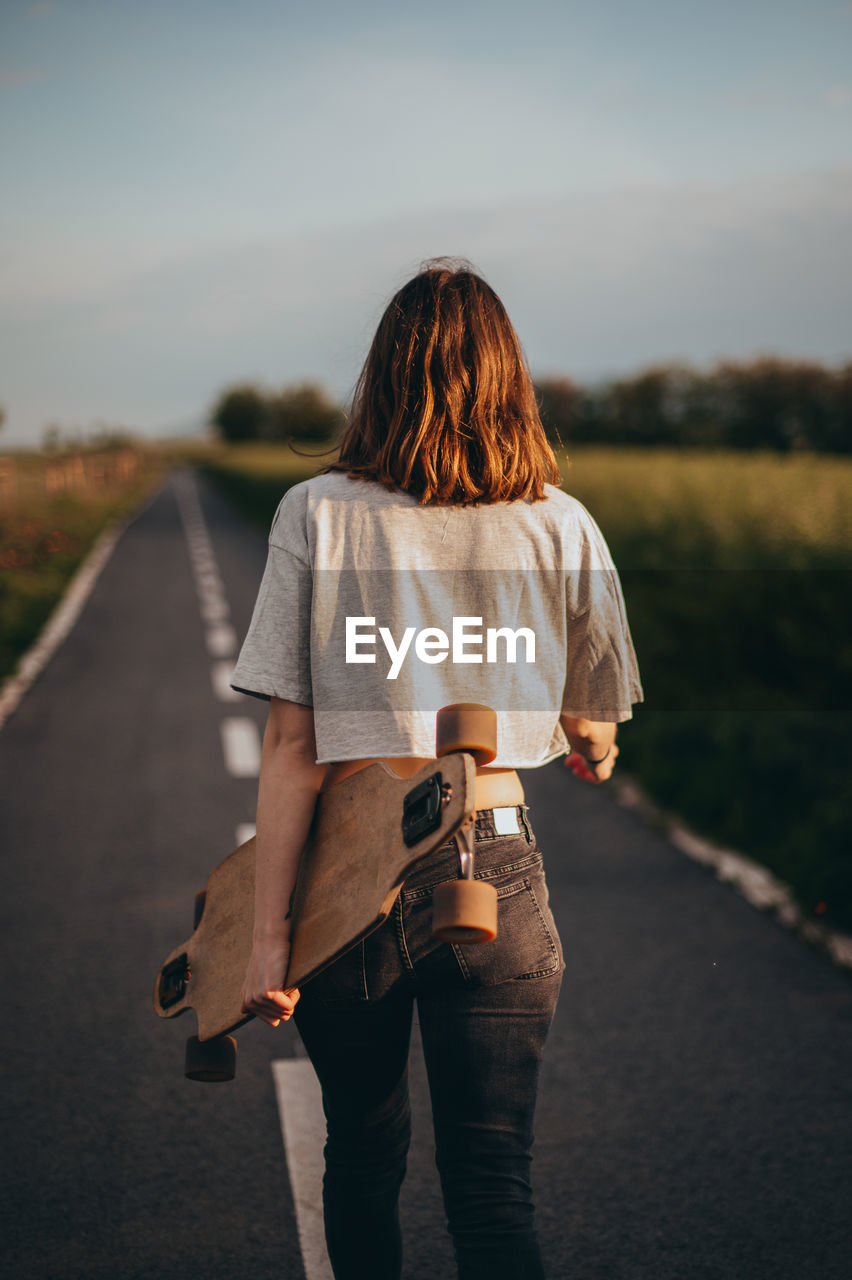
694	1120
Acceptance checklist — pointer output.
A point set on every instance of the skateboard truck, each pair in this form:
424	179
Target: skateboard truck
465	910
173	980
421	810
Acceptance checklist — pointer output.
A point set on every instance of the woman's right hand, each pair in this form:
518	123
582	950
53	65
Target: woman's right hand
263	992
589	772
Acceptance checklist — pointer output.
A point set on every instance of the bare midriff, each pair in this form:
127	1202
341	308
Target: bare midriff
495	788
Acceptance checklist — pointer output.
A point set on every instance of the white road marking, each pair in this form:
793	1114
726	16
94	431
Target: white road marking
753	882
221	641
840	946
214	608
221	638
241	746
220	676
245	831
303	1129
204	564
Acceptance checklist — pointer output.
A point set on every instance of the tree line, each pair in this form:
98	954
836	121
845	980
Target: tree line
767	403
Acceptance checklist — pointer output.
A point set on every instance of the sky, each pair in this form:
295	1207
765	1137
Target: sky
198	192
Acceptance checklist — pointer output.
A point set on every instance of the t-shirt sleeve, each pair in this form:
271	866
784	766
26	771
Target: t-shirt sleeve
275	659
602	676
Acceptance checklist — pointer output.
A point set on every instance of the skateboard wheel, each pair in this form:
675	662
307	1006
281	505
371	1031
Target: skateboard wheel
464	911
467	726
212	1061
198	909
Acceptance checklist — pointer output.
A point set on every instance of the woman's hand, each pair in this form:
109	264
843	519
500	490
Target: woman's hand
582	768
263	992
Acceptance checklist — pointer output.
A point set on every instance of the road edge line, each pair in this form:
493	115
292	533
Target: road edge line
748	878
67	610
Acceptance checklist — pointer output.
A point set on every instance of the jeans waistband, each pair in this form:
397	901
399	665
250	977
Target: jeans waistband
503	820
493	849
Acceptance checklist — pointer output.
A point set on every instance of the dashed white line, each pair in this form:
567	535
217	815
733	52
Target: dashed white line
221	637
221	641
303	1130
241	746
214	609
220	676
296	1086
202	558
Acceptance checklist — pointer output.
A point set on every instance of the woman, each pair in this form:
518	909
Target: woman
440	513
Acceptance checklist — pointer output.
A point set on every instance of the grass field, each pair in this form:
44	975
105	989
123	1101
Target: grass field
45	536
737	571
666	508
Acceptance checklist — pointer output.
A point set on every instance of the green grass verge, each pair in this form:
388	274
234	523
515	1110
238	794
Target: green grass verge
44	540
737	571
254	477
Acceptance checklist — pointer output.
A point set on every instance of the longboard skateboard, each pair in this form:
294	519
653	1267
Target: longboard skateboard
368	832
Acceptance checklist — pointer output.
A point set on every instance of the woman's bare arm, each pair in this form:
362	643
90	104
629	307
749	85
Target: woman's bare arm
290	781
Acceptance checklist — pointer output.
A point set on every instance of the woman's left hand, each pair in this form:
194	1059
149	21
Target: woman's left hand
583	768
263	992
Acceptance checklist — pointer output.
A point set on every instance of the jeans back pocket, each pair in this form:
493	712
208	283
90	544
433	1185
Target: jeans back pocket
527	945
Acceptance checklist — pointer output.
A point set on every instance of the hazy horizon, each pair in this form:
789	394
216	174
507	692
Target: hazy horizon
200	197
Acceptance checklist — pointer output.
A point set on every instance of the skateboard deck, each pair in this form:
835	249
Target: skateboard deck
368	832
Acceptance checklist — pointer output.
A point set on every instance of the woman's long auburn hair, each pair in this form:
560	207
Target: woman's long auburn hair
445	406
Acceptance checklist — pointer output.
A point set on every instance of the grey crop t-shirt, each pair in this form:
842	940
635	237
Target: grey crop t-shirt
376	611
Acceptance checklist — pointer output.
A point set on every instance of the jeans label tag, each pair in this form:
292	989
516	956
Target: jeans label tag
506	821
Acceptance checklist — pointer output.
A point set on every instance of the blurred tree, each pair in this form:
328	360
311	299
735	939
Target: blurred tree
840	435
560	408
2	416
303	413
753	399
242	413
104	436
637	410
51	438
784	404
810	397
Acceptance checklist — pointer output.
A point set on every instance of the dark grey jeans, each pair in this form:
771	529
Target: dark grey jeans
484	1014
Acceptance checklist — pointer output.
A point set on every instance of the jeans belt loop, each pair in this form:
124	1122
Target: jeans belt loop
522	815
